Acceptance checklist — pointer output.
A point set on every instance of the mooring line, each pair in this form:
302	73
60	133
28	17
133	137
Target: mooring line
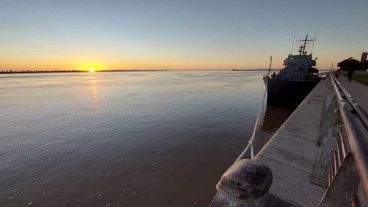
251	140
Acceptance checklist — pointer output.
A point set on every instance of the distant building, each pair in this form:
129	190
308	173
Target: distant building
364	57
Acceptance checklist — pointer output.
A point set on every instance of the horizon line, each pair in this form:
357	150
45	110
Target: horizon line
107	70
131	70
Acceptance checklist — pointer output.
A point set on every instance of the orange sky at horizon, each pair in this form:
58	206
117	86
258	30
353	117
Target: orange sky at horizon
144	63
165	61
54	63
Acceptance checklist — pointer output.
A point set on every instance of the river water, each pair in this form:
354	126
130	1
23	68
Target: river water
132	139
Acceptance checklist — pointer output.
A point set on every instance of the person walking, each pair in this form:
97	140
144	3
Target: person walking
350	74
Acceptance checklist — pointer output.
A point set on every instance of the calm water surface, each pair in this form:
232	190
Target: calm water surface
124	139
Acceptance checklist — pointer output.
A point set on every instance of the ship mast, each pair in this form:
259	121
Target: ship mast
304	44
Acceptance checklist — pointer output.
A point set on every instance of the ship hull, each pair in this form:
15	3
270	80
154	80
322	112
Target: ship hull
285	92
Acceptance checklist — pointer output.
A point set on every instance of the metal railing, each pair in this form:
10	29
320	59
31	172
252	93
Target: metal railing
339	154
355	122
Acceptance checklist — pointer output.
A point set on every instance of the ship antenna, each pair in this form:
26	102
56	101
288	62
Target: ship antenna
315	37
269	68
304	44
292	45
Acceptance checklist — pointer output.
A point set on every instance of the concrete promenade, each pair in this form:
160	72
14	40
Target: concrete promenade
300	155
357	90
292	151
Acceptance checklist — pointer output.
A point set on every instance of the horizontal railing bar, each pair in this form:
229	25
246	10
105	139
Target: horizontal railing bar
363	115
356	137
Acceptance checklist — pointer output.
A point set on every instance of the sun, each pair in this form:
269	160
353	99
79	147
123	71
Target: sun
91	69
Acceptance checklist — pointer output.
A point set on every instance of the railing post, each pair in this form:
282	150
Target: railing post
343	186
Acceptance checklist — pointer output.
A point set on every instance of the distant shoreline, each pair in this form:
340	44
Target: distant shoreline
70	71
99	71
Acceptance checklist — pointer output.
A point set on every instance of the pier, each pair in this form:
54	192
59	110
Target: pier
318	157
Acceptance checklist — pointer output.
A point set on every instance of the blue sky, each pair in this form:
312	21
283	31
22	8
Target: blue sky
151	34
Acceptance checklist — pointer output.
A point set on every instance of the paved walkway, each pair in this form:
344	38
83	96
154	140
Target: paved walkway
292	151
357	90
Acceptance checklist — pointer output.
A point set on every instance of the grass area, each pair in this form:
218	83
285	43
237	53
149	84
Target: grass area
361	76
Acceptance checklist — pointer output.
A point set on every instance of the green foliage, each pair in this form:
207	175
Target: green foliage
361	76
350	64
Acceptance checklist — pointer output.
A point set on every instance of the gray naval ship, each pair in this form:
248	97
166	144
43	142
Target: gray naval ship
293	83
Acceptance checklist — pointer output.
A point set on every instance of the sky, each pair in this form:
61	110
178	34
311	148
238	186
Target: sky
172	34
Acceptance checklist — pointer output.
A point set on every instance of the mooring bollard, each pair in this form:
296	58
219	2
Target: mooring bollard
243	184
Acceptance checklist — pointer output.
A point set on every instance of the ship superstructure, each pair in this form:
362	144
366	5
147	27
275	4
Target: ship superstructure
296	80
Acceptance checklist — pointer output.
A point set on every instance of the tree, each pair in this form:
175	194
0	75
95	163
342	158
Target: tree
350	64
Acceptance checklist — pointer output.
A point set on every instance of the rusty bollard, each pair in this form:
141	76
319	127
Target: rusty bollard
243	185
